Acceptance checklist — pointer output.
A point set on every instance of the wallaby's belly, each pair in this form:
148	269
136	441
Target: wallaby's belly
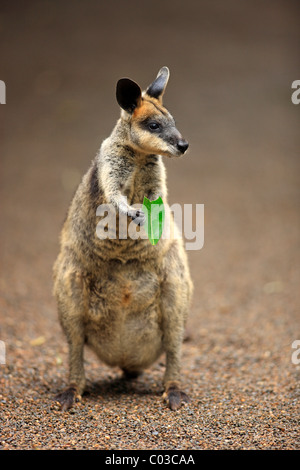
124	321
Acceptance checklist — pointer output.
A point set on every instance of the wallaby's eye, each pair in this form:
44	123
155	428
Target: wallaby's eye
153	126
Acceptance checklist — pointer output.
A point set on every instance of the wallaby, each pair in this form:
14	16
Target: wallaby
126	299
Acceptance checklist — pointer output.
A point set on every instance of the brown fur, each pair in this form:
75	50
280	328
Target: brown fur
126	299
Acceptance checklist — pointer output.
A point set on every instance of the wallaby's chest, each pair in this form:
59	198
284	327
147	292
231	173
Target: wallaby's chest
141	181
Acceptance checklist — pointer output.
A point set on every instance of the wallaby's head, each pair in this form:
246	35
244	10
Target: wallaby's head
152	128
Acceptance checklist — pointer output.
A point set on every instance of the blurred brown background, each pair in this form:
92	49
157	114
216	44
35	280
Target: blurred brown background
232	65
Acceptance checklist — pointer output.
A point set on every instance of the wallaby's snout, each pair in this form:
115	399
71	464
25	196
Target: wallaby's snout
178	145
182	145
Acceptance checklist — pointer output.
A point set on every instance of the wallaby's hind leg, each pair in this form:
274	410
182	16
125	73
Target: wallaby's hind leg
173	394
76	374
176	290
71	321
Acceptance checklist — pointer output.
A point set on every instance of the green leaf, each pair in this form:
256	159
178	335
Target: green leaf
155	218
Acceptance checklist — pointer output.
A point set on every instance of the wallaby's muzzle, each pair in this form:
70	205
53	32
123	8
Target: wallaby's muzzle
182	146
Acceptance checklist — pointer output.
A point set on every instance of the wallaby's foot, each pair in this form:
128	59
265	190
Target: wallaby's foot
68	397
175	398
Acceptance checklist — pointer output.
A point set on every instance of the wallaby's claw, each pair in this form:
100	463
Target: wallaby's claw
175	398
67	398
138	216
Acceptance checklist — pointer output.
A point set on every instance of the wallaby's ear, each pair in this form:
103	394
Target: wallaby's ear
129	94
157	88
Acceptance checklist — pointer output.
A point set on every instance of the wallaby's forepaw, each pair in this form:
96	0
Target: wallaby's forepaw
138	216
175	398
67	398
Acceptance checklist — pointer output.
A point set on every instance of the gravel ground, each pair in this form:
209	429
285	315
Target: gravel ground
230	89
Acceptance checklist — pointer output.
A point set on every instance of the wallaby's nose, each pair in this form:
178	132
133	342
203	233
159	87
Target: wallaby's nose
182	145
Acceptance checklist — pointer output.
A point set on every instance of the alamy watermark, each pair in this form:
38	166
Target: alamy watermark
2	92
296	94
188	224
2	353
296	354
